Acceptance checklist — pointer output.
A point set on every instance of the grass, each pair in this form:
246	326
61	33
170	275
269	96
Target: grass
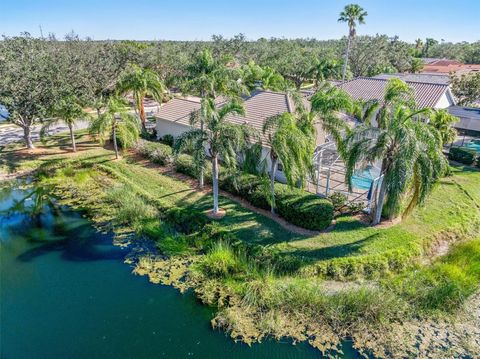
351	249
264	279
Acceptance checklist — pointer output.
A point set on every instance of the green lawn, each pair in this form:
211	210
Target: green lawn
352	248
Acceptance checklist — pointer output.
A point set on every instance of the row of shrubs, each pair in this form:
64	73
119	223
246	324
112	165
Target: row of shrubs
298	207
464	155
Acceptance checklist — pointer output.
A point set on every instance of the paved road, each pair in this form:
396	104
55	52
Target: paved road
12	133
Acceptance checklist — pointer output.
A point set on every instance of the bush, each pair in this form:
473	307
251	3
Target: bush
154	151
184	164
242	184
168	140
298	207
462	155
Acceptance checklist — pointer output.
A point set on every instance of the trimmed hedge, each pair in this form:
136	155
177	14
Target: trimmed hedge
154	151
462	155
184	164
242	185
298	207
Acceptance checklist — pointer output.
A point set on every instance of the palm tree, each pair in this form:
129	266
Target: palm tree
352	14
209	77
418	44
325	69
327	104
408	149
141	83
220	137
67	110
291	140
416	65
442	121
115	122
397	93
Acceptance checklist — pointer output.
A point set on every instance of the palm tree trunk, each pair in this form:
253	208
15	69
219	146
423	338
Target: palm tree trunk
344	71
27	135
215	183
200	179
143	118
72	137
381	201
273	173
114	133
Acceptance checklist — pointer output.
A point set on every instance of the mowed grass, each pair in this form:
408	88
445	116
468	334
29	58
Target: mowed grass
451	212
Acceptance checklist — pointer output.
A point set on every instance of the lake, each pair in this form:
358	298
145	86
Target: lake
66	293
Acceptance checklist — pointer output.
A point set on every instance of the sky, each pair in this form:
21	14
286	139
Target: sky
450	20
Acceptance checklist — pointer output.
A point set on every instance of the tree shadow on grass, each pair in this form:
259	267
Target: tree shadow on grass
337	251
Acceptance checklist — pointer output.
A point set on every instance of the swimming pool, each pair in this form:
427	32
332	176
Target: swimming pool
474	145
362	179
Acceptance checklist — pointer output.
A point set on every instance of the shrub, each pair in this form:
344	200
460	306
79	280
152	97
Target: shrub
462	155
298	207
339	200
154	151
305	210
184	164
242	184
168	140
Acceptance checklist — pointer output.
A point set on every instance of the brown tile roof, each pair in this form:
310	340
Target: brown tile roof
259	106
367	88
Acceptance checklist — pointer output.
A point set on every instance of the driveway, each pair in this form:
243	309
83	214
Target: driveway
10	133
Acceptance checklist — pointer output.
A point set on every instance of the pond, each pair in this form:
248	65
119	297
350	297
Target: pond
66	293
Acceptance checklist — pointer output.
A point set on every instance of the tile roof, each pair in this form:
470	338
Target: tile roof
368	88
469	117
259	106
433	78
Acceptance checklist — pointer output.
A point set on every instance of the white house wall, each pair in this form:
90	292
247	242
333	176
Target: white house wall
169	128
445	101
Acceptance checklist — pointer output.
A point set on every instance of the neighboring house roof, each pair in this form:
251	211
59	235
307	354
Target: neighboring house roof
258	107
442	79
469	117
450	66
368	88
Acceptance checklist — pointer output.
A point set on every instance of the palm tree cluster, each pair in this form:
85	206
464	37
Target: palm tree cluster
397	136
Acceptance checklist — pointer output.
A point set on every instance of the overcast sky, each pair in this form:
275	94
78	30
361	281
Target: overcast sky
450	20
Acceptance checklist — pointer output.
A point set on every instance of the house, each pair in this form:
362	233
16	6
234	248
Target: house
426	94
173	117
446	66
443	79
469	124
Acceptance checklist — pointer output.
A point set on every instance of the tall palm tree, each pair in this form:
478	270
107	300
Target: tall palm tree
115	122
67	110
443	122
209	77
141	83
290	142
416	65
353	15
220	137
409	152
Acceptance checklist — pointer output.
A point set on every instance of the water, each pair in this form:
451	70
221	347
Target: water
474	145
362	179
66	293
